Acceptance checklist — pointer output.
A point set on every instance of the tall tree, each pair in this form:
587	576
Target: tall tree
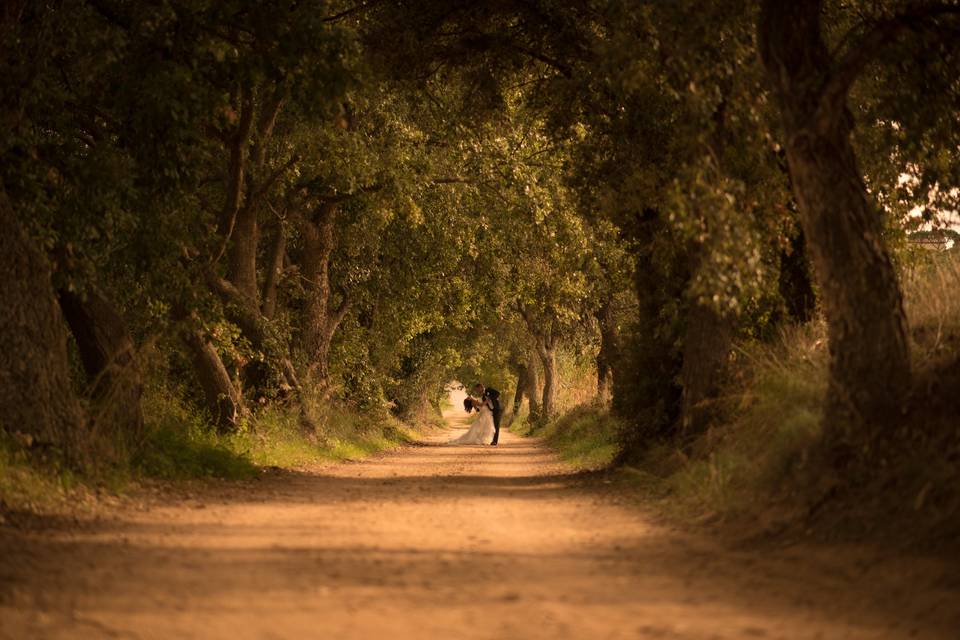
869	351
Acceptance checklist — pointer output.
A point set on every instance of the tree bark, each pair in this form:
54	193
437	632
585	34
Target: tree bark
223	399
321	319
547	352
533	391
236	167
706	347
521	387
794	283
36	396
275	270
109	359
869	356
244	311
242	262
609	339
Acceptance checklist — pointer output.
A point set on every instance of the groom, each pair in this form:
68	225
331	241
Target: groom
493	397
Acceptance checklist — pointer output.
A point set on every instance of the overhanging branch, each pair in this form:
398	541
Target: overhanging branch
865	49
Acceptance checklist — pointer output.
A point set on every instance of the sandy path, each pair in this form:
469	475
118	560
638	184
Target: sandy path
444	542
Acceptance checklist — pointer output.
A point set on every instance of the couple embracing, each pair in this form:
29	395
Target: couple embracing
486	428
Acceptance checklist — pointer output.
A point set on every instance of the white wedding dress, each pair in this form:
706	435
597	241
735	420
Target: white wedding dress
481	431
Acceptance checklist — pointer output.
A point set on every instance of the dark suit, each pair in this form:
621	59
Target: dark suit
492	396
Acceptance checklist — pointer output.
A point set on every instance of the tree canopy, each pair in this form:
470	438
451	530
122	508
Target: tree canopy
373	198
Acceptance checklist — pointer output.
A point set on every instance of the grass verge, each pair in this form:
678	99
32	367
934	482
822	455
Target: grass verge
764	464
585	437
179	445
763	441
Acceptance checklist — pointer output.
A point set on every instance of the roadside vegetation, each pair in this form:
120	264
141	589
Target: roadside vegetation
763	463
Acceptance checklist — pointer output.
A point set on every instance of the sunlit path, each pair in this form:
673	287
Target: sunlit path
437	541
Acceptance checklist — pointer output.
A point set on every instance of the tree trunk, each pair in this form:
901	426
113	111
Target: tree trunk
243	311
869	356
532	390
548	358
223	400
275	269
36	396
794	283
320	320
109	359
518	395
609	339
242	267
706	347
236	168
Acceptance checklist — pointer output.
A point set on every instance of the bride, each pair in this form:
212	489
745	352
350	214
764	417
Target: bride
481	431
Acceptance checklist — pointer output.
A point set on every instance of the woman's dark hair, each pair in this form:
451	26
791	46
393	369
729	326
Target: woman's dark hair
468	404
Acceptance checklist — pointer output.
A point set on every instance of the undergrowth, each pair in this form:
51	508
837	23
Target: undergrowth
764	458
585	437
767	435
180	444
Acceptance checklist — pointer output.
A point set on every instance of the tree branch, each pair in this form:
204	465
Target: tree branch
349	12
237	146
339	313
864	50
111	13
343	197
276	175
564	69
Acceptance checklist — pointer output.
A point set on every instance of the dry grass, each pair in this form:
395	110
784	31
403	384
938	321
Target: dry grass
931	292
763	454
769	426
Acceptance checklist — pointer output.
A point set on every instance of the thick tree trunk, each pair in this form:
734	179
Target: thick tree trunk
706	348
869	357
795	285
36	396
242	265
109	359
609	345
320	320
274	270
223	399
548	358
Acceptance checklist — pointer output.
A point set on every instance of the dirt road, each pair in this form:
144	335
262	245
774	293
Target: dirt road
445	542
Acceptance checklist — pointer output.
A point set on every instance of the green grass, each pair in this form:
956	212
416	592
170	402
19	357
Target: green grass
770	423
585	437
179	444
28	482
764	439
276	439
